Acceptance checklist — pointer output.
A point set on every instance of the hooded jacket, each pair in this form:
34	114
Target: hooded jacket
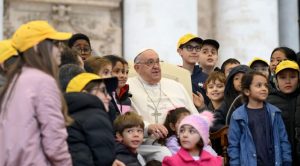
232	100
91	140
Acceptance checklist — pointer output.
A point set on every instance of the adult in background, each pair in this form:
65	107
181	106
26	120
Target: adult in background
32	125
152	97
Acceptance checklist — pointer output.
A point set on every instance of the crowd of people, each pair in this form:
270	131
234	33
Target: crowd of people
61	105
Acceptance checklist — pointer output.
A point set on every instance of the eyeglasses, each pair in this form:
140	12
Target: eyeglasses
190	48
83	50
151	62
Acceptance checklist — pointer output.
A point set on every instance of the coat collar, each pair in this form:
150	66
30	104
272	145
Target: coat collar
188	158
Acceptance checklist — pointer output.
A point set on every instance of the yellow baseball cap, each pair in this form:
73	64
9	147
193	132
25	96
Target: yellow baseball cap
6	50
31	33
258	59
78	83
188	37
286	64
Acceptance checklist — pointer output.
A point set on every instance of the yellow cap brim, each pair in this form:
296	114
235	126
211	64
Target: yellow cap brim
60	36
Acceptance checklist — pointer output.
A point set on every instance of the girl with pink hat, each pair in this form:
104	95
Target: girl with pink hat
193	136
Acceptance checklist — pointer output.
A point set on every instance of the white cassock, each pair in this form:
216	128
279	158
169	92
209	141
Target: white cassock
164	96
153	102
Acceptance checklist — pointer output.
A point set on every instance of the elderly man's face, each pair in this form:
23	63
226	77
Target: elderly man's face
148	67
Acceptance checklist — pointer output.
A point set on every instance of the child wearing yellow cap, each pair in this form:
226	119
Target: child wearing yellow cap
287	99
91	139
32	130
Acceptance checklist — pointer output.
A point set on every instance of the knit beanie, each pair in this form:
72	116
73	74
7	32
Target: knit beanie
76	37
201	122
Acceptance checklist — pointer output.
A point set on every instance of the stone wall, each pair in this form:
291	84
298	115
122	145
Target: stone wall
98	19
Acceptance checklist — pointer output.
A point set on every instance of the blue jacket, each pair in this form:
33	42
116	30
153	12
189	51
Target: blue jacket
241	147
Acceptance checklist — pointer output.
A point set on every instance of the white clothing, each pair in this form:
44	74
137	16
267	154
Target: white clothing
172	95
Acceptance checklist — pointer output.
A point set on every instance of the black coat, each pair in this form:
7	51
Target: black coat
127	157
91	140
231	101
290	108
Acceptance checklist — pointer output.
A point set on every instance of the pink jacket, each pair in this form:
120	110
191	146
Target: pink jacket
32	128
184	158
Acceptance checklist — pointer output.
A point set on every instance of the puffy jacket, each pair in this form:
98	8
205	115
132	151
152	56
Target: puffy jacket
184	158
91	140
127	157
289	104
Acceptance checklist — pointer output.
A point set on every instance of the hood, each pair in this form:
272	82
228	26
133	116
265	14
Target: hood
229	88
78	101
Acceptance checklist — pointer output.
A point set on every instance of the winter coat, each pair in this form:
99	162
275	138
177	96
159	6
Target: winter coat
125	156
232	100
184	158
91	140
32	126
289	104
241	148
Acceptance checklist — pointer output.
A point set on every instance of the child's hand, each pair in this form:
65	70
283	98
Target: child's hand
198	100
158	130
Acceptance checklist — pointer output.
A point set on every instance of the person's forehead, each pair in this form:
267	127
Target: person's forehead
259	64
192	43
208	47
81	42
149	54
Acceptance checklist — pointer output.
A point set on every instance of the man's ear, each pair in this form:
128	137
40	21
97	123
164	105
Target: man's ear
136	67
119	137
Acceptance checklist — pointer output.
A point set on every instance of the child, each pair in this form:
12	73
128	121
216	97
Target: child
193	136
215	85
122	95
81	43
208	55
91	138
228	65
260	65
287	99
69	56
232	98
188	47
172	122
257	135
129	129
98	65
279	54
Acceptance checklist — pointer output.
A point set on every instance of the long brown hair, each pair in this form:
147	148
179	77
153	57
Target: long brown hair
39	57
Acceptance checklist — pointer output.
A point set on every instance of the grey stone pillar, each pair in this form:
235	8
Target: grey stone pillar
288	24
157	24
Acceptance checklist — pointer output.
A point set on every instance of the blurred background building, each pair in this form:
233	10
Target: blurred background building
244	28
